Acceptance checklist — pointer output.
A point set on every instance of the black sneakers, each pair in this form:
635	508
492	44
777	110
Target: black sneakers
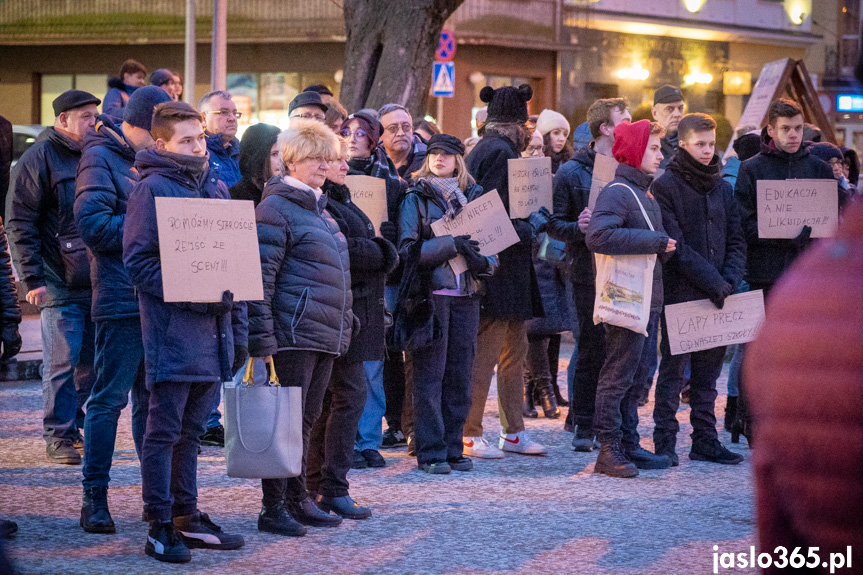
344	506
95	517
643	459
373	458
393	438
460	463
359	462
197	532
164	544
214	437
276	519
714	452
612	461
308	513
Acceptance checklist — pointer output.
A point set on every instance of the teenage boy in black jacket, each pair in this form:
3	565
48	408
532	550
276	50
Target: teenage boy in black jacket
699	211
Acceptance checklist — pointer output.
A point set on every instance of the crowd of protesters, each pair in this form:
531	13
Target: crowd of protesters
81	220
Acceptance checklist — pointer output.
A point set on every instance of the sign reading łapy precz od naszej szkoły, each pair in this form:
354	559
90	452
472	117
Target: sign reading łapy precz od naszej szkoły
529	185
785	206
484	220
699	325
206	247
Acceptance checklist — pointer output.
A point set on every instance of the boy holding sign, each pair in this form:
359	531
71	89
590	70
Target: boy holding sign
699	211
188	347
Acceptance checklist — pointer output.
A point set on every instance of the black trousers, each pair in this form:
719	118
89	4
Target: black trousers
331	446
591	357
311	371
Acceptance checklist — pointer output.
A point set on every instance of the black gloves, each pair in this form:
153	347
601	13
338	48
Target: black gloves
390	233
11	340
464	245
215	309
719	299
538	220
802	240
241	354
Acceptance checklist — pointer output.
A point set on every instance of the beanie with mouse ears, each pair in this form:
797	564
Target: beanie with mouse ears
507	104
630	142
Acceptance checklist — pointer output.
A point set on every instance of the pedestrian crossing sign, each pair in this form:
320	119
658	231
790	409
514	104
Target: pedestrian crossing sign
443	79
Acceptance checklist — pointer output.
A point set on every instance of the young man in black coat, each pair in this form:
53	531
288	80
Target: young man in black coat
699	211
569	223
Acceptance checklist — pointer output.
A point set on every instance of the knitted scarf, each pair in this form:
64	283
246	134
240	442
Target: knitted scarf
452	196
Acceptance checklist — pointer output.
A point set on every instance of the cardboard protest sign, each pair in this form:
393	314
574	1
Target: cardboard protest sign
603	172
486	221
529	185
206	247
699	325
370	195
785	206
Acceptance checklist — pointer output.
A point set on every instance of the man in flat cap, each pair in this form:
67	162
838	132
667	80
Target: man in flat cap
52	261
668	109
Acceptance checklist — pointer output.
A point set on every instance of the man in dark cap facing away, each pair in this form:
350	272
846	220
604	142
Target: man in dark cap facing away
668	109
52	261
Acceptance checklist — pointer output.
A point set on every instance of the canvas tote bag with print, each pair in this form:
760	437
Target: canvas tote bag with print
624	286
263	427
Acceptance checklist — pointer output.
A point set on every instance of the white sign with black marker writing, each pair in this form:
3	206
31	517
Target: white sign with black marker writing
699	325
785	206
529	185
484	220
206	247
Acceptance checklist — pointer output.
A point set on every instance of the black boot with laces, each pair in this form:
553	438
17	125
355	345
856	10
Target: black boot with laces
95	517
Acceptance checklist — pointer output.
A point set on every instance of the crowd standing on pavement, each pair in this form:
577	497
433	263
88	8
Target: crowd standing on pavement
375	324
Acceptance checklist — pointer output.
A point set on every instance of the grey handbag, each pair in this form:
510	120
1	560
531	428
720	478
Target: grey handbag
263	427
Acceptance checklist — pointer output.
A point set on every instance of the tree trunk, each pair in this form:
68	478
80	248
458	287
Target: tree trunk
390	50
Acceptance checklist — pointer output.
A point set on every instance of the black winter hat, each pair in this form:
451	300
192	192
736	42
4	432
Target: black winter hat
747	145
139	109
161	76
667	94
307	99
320	89
71	99
507	104
826	151
446	144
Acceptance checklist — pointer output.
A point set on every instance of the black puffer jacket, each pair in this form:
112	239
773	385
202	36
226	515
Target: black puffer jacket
422	207
699	211
767	259
10	310
106	175
306	274
41	219
371	258
512	292
617	226
571	194
255	149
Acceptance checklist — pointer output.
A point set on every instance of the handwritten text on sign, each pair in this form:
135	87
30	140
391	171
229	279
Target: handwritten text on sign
206	247
785	206
370	195
486	221
529	185
699	325
603	172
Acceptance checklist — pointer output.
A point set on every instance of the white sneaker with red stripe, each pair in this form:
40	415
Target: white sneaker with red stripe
481	448
521	443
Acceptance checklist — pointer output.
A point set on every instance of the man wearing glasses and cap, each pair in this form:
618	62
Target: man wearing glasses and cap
308	105
668	107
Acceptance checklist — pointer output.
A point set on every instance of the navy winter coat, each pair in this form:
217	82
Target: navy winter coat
512	292
114	102
41	220
224	162
306	272
555	302
617	226
699	211
767	259
371	259
571	194
10	309
106	175
180	343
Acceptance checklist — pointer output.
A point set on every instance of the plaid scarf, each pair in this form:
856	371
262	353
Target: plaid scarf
449	191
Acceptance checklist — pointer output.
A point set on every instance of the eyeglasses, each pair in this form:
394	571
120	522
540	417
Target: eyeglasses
233	113
346	133
394	128
318	117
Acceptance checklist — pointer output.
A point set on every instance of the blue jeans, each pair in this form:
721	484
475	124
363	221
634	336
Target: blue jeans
169	455
734	371
119	369
215	417
68	342
619	387
442	380
370	432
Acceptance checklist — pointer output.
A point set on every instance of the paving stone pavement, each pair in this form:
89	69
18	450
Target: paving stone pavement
517	515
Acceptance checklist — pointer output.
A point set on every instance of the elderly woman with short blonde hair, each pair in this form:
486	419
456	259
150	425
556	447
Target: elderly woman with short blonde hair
304	321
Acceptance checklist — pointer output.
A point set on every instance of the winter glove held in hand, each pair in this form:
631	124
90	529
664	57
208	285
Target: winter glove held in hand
389	232
241	354
538	221
719	300
215	309
802	239
11	339
466	246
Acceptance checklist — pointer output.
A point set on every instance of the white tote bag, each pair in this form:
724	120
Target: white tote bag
624	286
263	427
